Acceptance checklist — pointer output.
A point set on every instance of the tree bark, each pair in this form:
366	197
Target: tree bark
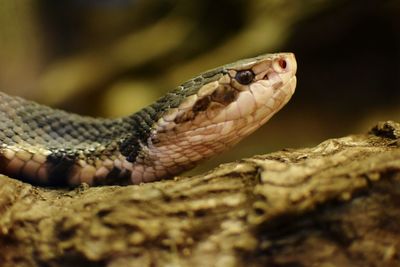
336	204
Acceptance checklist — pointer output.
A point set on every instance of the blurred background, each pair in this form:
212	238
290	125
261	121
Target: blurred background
112	57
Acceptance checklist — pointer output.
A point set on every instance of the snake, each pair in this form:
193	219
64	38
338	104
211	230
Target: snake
200	118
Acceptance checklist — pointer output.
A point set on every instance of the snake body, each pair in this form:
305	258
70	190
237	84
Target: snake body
196	120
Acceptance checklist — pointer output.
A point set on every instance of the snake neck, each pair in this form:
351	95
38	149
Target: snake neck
142	125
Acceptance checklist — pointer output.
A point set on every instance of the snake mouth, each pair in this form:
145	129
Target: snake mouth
258	116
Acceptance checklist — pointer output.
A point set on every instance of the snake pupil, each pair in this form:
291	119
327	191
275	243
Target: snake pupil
244	76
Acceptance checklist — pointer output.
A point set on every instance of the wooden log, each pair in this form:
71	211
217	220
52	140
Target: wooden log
336	204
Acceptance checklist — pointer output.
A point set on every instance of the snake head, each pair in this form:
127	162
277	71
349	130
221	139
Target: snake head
215	111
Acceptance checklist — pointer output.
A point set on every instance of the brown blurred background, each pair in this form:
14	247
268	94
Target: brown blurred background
112	57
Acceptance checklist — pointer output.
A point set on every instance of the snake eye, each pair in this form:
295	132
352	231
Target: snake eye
244	76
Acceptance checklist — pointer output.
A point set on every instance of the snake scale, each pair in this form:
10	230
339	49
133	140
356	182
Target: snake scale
198	119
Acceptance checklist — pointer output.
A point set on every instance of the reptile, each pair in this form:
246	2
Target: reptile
198	119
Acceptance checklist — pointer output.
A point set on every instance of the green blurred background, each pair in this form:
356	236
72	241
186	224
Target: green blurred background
112	57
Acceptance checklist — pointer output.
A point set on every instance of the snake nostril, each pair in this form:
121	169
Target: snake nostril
282	63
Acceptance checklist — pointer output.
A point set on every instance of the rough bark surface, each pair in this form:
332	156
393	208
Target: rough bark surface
337	204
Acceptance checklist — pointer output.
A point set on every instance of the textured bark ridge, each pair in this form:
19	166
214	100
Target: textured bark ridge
337	204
